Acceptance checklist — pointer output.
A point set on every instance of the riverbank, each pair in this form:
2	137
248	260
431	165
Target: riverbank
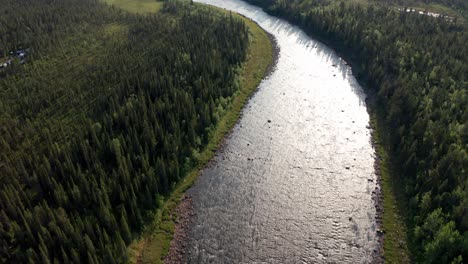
391	228
154	243
393	242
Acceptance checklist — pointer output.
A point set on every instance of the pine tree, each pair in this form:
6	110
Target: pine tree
124	227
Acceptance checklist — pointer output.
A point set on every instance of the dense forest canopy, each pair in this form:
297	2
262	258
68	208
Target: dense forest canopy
107	111
415	66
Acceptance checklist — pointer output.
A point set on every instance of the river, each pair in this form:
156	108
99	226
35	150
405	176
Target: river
294	180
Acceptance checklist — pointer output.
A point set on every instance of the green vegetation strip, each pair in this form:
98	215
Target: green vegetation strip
155	241
137	6
395	242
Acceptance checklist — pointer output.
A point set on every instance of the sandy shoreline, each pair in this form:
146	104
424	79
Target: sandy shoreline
185	214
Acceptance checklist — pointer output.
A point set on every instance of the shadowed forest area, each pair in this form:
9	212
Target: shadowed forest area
415	69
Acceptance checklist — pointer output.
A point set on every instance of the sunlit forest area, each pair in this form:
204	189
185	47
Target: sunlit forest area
101	113
415	67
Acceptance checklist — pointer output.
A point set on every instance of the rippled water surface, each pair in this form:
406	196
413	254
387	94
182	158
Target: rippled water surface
294	181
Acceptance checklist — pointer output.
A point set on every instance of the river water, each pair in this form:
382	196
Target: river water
294	181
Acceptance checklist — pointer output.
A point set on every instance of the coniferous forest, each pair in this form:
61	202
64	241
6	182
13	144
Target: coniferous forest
101	112
416	69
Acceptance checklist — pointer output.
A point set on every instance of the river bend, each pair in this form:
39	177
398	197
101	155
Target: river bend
293	182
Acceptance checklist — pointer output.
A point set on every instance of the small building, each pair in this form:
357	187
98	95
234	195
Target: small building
21	54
